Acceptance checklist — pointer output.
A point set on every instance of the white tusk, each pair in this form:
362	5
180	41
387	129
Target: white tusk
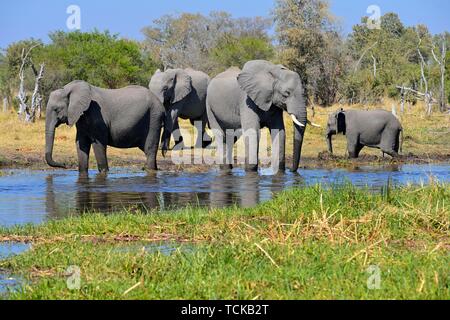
296	121
314	124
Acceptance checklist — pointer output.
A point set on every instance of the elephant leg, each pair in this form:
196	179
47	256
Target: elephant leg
151	150
278	134
389	144
152	140
221	142
177	137
352	147
358	149
83	148
100	156
224	152
203	139
251	140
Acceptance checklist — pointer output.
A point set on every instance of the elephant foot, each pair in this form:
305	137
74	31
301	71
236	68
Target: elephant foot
251	167
280	170
226	167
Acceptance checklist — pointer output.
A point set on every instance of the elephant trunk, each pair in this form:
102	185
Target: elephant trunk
50	127
170	119
329	143
299	132
297	110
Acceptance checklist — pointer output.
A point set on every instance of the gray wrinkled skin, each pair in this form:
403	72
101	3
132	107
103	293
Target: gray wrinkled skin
123	118
375	129
183	93
253	98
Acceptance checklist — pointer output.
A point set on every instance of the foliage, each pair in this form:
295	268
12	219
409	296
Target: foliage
364	67
310	45
193	40
234	51
102	59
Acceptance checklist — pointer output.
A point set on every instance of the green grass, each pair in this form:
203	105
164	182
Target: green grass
306	243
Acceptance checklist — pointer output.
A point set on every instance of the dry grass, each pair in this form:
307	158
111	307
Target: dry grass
23	144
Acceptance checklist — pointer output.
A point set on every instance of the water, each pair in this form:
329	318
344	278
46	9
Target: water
32	196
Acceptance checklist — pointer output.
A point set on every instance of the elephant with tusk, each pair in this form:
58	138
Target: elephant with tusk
253	98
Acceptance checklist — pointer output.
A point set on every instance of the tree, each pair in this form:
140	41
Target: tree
234	51
102	59
383	59
191	40
307	36
5	89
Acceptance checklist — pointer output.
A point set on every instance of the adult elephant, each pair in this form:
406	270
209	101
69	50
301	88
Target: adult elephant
123	118
183	94
253	98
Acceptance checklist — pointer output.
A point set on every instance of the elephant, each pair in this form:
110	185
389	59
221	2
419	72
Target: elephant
371	128
183	94
123	118
253	98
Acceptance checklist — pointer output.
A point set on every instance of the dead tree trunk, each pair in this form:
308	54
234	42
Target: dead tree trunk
427	95
441	62
29	113
5	104
402	102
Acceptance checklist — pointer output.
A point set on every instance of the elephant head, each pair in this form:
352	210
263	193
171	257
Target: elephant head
267	84
336	124
170	87
66	106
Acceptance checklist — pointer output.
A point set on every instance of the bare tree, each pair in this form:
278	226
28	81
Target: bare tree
441	62
33	111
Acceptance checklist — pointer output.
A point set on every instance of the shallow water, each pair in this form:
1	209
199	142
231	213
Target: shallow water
34	196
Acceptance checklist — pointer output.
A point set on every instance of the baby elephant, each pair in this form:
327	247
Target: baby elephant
376	129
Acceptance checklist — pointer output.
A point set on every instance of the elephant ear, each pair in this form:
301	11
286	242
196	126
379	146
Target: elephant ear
341	126
183	86
258	85
155	85
79	93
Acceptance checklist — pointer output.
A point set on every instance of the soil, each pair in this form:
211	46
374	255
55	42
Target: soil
323	160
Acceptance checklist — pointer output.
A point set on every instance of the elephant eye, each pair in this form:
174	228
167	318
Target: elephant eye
286	94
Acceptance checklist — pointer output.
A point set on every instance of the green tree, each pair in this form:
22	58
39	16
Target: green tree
192	40
234	51
308	40
102	59
383	58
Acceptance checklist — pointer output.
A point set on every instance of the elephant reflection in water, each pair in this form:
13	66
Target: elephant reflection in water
90	196
244	191
98	194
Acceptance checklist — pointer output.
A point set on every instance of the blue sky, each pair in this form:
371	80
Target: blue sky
21	19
